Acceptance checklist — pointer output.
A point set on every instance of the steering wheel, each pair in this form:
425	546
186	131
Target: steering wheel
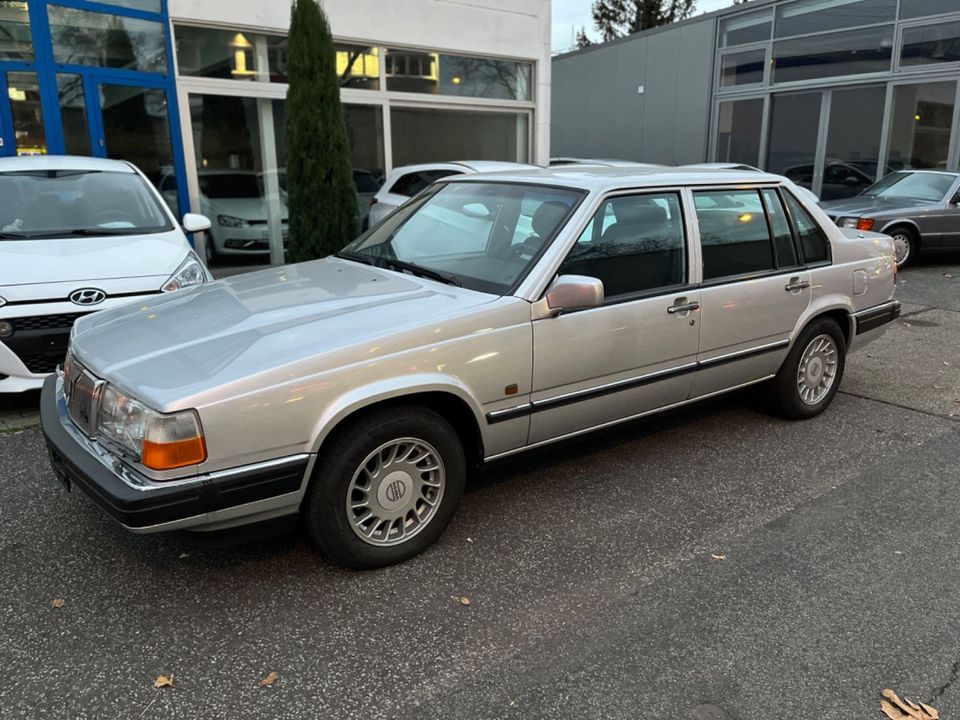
107	216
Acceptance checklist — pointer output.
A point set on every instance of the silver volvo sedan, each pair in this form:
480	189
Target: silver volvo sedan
490	315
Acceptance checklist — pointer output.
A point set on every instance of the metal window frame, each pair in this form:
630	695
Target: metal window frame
911	24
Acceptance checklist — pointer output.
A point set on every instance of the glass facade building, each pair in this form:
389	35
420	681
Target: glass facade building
834	94
200	106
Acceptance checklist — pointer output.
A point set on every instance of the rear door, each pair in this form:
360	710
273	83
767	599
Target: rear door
754	288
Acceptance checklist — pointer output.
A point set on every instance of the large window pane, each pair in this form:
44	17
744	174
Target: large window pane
794	122
738	131
744	68
15	40
922	8
920	131
811	16
73	114
227	54
438	74
931	44
136	127
833	54
147	5
81	37
748	28
433	135
241	173
853	141
24	94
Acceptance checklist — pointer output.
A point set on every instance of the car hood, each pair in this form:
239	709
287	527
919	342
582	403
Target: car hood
299	319
34	262
244	208
862	205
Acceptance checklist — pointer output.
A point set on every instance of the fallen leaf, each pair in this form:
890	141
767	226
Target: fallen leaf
947	275
470	540
270	679
464	601
931	711
898	552
905	709
718	557
58	603
163	681
891	712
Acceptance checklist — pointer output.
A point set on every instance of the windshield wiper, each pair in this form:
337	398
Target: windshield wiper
423	272
85	232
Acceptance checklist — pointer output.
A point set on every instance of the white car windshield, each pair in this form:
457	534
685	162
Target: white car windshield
481	235
39	204
912	186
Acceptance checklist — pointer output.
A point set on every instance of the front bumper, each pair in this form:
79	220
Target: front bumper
205	502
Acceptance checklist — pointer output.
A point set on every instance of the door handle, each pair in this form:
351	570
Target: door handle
681	306
796	284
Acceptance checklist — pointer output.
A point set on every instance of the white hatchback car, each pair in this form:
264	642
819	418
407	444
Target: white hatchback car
79	235
405	182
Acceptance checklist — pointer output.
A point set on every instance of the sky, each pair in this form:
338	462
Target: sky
570	15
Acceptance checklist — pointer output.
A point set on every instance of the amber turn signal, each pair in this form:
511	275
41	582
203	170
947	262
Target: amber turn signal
172	455
866	224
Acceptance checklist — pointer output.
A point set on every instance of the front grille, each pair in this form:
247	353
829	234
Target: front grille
40	341
45	322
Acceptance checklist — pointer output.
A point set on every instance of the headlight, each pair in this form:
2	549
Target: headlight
848	222
191	272
158	441
232	222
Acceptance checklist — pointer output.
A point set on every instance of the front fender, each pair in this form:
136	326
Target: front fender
364	396
900	221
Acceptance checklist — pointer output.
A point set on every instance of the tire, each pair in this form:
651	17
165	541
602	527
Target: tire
348	485
799	397
906	245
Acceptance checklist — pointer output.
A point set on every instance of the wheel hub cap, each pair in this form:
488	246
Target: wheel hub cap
394	493
901	248
818	369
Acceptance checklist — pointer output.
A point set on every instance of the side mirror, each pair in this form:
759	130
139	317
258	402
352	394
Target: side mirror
574	292
195	223
955	200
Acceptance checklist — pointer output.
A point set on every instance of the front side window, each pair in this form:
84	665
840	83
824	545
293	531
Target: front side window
734	235
481	235
813	241
633	244
70	203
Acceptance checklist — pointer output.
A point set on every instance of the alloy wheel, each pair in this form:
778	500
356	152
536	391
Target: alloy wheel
818	369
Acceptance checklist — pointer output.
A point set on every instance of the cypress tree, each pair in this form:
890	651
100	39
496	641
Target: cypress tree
321	199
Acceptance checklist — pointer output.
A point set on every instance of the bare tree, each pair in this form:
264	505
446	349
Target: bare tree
616	18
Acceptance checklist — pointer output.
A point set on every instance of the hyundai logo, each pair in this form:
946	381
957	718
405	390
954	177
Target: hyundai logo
87	296
395	491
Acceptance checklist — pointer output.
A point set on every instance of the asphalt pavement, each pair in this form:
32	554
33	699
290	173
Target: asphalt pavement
713	563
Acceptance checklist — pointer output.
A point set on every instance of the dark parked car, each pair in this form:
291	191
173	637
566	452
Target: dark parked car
917	208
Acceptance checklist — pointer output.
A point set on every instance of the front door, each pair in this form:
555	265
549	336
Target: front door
636	352
132	122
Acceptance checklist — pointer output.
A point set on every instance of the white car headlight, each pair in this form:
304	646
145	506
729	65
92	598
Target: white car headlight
232	222
158	441
848	222
191	272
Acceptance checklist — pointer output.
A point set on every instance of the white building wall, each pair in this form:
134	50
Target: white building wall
515	29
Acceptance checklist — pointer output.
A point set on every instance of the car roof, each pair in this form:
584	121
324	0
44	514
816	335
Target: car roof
926	170
601	178
607	162
62	162
462	166
720	166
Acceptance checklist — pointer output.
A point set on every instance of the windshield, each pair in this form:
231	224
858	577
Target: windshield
66	203
481	235
912	186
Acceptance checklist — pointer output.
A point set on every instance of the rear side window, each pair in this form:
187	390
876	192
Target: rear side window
813	241
412	183
734	235
633	244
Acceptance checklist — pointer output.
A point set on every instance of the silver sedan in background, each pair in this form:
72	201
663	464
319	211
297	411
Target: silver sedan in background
919	209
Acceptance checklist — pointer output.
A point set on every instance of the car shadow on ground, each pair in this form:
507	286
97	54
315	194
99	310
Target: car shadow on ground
285	538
